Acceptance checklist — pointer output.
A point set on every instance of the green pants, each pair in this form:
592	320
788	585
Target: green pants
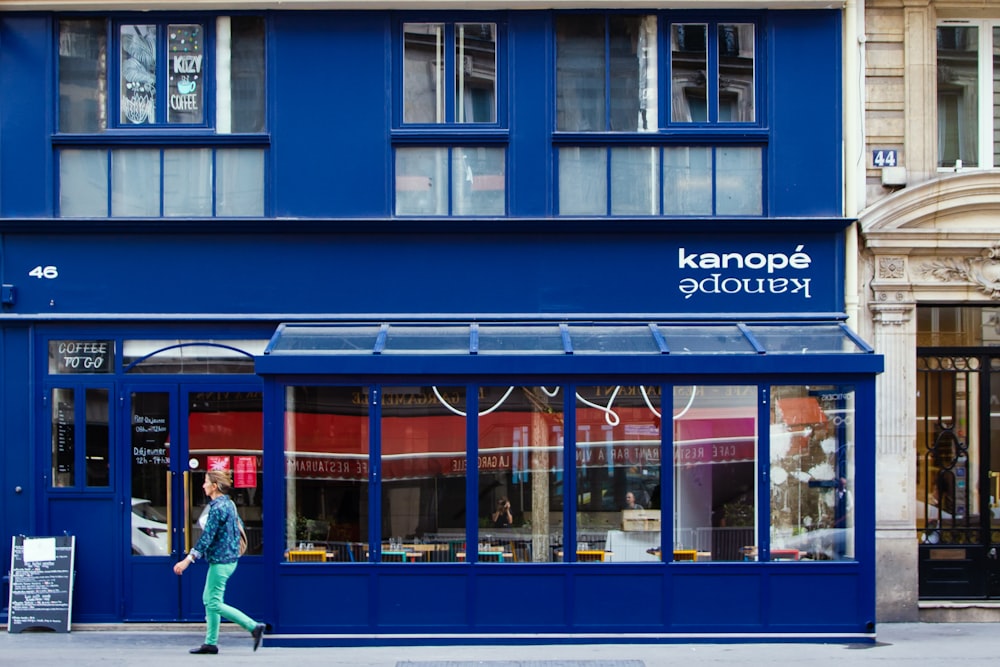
215	606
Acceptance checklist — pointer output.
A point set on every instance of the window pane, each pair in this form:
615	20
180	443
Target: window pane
736	72
246	90
83	183
63	437
688	64
135	183
422	181
478	181
635	180
958	95
738	181
632	75
239	182
996	96
618	473
83	72
225	430
423	473
185	74
583	185
476	73
520	463
187	182
423	73
150	473
715	472
326	459
98	437
580	74
194	357
812	473
138	74
687	180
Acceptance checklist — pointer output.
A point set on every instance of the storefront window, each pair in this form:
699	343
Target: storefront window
93	440
521	474
326	472
812	473
423	473
618	473
63	437
715	472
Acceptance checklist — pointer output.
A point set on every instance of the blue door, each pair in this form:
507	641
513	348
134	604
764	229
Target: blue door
174	434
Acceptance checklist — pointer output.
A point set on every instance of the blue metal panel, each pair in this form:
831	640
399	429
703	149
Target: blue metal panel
330	114
512	274
804	86
26	115
529	153
18	476
698	590
94	520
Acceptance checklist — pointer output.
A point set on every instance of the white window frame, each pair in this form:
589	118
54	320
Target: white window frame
985	128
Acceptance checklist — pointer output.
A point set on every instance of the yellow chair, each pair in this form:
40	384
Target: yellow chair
307	556
589	556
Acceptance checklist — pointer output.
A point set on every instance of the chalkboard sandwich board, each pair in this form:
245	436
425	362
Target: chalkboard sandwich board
41	583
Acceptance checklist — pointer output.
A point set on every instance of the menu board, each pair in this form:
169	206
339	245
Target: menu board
41	583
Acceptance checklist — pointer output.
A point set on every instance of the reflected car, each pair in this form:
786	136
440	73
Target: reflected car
149	529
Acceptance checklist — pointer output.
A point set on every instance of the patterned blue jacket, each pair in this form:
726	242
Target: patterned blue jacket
220	542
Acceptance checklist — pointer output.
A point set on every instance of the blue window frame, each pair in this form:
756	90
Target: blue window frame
449	142
658	115
143	108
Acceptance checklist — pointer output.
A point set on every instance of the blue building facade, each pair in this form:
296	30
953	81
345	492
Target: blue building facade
534	318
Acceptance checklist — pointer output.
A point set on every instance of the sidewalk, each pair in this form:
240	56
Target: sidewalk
923	644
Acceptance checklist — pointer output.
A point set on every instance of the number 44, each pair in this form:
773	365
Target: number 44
48	272
884	158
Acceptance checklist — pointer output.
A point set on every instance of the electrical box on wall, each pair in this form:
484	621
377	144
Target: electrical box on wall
894	176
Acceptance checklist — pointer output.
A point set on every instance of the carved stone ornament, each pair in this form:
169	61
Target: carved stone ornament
982	271
891	268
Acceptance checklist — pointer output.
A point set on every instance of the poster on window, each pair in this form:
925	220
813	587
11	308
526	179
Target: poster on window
245	472
217	462
185	85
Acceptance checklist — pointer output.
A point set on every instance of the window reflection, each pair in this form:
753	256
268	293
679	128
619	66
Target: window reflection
715	462
812	473
520	462
326	463
618	473
423	473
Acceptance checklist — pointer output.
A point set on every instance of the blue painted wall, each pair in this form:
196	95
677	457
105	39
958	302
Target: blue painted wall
330	91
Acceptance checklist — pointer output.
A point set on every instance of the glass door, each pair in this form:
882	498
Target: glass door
175	434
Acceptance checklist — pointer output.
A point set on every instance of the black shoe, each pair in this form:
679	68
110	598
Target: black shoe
258	633
205	648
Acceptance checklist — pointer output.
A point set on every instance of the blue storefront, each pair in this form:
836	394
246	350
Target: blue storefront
511	326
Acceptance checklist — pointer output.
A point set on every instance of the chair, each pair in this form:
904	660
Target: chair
307	556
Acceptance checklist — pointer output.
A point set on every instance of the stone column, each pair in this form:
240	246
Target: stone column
894	336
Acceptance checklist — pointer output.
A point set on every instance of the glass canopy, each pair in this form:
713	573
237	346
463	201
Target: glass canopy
618	339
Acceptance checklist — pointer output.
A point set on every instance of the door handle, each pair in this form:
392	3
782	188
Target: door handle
187	512
170	523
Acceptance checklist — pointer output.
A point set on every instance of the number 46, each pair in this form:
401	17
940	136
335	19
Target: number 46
48	272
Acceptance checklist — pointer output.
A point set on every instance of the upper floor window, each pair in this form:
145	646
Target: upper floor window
607	73
449	73
968	106
712	73
128	74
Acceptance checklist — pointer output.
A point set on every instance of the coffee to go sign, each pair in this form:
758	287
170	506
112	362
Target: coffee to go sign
81	356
